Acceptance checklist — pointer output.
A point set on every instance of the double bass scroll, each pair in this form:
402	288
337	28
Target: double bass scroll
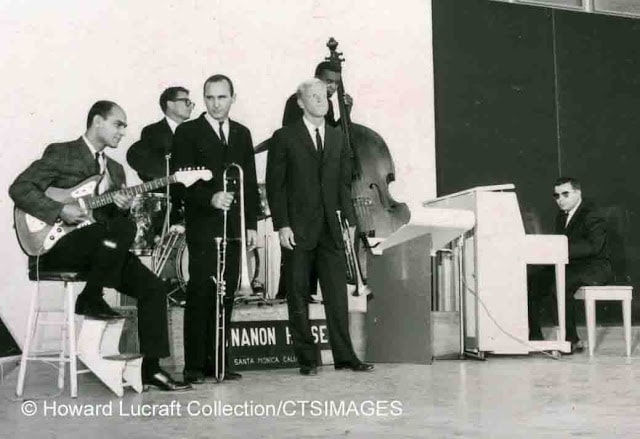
377	214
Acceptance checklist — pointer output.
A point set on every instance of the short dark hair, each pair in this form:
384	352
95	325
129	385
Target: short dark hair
103	108
327	65
575	184
169	95
219	78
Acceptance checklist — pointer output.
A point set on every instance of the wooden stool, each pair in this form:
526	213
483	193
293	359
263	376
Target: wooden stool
68	353
608	292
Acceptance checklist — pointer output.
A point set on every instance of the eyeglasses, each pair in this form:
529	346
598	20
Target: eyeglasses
188	102
564	194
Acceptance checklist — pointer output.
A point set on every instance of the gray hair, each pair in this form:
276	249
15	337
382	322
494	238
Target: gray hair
305	85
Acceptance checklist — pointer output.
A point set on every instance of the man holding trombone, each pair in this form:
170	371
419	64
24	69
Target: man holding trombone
308	181
213	210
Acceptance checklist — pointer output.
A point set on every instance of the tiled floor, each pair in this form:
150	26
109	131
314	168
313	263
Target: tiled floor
503	397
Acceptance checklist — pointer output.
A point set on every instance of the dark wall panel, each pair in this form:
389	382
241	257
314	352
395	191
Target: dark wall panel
495	100
500	118
599	89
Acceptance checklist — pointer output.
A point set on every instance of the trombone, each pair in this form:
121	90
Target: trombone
244	285
354	273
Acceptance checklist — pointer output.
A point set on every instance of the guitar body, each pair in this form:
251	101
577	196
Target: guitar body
37	237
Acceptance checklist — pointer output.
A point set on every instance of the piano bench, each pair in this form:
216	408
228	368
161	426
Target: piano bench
590	294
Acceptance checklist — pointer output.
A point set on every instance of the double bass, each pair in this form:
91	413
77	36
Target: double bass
377	213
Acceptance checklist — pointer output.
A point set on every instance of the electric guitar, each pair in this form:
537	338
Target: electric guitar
37	237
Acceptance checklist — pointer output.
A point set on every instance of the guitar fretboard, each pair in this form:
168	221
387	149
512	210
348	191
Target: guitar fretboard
95	201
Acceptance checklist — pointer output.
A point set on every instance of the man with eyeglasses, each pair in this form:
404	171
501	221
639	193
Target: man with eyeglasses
148	155
589	260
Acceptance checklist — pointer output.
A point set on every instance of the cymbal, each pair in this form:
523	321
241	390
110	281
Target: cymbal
262	147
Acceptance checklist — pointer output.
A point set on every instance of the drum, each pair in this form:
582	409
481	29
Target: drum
264	211
148	212
171	264
171	257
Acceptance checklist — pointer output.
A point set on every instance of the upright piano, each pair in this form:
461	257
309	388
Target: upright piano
494	257
492	253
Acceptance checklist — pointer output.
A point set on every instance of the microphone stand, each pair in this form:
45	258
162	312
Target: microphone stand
167	216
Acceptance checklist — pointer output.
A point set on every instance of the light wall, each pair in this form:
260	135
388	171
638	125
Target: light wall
59	57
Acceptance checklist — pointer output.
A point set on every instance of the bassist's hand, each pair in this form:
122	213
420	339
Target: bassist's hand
73	214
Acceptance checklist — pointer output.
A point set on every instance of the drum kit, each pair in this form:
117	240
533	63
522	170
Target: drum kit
166	244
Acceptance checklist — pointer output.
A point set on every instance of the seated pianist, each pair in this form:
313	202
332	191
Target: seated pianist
589	258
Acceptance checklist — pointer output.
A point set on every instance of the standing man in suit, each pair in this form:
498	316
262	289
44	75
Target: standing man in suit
213	141
330	74
308	180
101	249
589	259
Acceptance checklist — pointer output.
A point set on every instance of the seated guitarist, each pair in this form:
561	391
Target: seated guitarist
100	249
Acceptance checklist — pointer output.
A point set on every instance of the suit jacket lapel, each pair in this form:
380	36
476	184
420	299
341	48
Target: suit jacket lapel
331	145
305	138
576	216
84	155
209	136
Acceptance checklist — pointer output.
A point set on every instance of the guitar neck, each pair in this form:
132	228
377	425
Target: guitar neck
96	201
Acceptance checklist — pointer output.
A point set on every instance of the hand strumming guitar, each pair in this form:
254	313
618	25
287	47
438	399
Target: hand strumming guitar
73	214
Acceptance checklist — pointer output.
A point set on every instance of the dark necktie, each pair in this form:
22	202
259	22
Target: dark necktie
565	217
222	136
98	166
319	141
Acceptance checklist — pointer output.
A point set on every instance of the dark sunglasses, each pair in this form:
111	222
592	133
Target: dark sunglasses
564	194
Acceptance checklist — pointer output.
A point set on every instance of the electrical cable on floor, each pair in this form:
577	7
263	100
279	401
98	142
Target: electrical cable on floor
504	331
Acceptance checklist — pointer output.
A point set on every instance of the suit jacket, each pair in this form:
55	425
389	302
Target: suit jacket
196	144
62	165
147	156
587	236
293	113
305	188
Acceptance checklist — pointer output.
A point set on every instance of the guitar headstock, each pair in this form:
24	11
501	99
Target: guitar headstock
189	176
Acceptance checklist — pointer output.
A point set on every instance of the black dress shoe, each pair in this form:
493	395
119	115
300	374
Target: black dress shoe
161	380
107	310
95	308
308	370
355	367
193	377
577	347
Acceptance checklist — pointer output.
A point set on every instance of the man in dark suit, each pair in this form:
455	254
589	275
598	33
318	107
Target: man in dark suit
213	141
308	180
330	74
148	156
102	248
589	259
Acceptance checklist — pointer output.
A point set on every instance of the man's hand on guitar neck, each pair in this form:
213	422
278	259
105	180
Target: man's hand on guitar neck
74	214
122	200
